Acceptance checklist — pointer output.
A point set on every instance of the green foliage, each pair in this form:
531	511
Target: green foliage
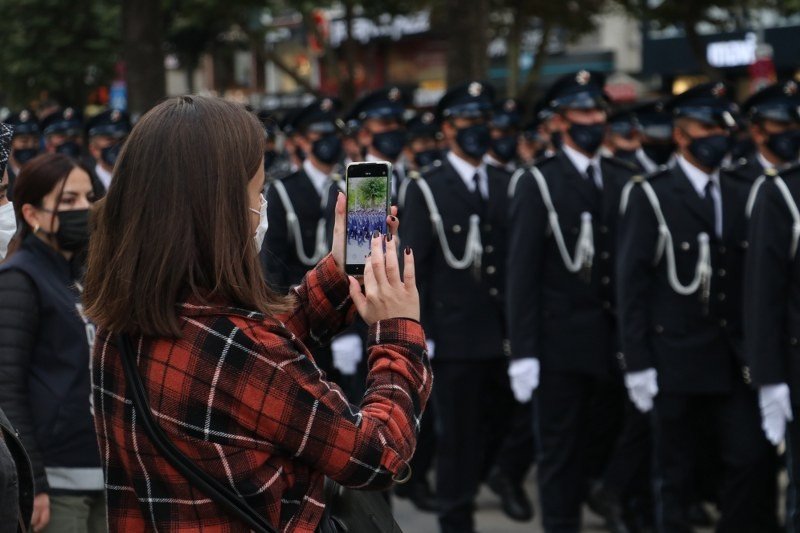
370	193
59	48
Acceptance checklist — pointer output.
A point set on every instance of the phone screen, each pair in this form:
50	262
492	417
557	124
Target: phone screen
367	207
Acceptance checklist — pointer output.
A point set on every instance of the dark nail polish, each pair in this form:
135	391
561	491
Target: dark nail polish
393	218
408	250
389	237
376	234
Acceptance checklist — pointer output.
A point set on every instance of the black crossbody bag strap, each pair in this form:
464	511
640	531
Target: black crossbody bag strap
221	494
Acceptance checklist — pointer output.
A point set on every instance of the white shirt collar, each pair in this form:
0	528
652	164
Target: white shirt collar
318	178
765	164
697	177
103	175
491	160
580	161
467	170
648	164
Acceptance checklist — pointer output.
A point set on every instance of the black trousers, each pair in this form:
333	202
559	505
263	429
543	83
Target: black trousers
473	402
424	454
793	470
748	486
628	471
573	442
518	450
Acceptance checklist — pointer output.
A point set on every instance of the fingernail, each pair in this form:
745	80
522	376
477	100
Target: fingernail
408	250
389	237
369	254
376	234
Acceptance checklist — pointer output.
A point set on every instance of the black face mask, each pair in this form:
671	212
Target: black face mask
73	230
269	158
70	149
505	148
627	155
785	145
389	143
710	151
426	157
474	140
110	154
588	137
25	154
659	153
300	154
555	140
327	149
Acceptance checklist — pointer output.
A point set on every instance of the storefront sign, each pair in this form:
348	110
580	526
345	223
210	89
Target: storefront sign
395	28
732	53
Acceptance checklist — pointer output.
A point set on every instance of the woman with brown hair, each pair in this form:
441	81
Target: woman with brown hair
45	344
224	361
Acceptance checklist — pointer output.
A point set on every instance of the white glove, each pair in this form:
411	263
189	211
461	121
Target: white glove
642	388
431	347
524	375
347	353
776	409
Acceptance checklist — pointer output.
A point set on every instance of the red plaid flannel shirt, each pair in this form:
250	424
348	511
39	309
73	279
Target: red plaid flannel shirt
241	395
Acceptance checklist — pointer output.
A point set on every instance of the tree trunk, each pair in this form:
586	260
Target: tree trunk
534	74
347	90
467	40
142	39
512	53
270	55
699	50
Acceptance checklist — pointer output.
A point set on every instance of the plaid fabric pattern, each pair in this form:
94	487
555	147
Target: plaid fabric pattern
6	134
241	395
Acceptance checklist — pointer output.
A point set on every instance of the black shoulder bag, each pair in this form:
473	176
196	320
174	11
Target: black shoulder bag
345	510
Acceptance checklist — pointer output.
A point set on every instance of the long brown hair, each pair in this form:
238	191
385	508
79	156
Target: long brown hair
39	177
175	222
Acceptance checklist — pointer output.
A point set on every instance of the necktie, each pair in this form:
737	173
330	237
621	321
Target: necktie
710	207
592	177
479	199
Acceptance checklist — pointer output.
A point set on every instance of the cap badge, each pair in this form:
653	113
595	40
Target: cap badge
394	94
475	89
115	115
719	90
69	113
509	106
427	117
583	77
24	115
790	89
326	105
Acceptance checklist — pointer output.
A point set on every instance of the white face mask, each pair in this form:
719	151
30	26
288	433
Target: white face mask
263	223
8	227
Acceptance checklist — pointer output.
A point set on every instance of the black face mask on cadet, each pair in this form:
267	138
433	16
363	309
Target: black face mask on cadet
785	145
588	137
389	143
627	155
73	230
25	154
505	148
70	149
110	154
710	151
327	149
426	157
474	140
659	153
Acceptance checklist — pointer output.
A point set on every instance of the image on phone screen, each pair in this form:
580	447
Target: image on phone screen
367	198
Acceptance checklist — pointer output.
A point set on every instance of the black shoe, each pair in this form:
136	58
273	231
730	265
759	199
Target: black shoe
513	499
699	516
420	494
605	504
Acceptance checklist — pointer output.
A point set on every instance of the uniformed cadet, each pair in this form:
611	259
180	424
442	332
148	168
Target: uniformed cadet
63	132
505	131
271	154
25	144
353	152
680	260
533	142
382	134
421	151
773	119
560	297
106	132
294	154
622	137
655	131
455	220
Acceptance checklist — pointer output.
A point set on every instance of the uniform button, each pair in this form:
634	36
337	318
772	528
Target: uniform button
490	270
746	375
574	231
487	227
721	297
606	305
685	246
456	229
745	244
489	249
723	323
659	328
620	356
605	280
493	292
793	341
722	250
605	256
603	229
722	272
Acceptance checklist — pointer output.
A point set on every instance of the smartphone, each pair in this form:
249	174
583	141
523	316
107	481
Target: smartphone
368	198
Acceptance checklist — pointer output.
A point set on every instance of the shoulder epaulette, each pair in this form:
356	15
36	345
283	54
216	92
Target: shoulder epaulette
627	165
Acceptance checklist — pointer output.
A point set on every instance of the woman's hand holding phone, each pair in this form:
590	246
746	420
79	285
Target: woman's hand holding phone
387	294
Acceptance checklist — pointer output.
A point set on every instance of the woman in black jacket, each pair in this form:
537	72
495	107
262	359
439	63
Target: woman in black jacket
45	344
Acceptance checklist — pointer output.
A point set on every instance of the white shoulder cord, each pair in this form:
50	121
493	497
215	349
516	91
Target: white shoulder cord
584	247
320	246
790	204
401	194
702	274
473	251
751	198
